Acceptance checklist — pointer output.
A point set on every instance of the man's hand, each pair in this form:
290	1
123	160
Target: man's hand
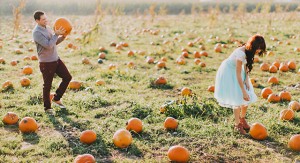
59	31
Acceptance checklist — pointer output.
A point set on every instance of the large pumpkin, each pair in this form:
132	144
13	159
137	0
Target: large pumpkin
122	138
266	92
287	114
285	96
28	125
171	123
178	153
294	142
294	105
134	124
65	23
85	158
10	118
258	131
88	136
27	70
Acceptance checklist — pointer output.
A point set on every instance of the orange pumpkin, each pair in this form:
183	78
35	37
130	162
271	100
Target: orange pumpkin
74	84
85	158
2	61
134	124
185	54
163	59
287	114
190	44
102	49
204	53
256	60
254	82
160	81
273	80
13	62
112	44
122	138
294	105
202	47
285	96
270	53
197	54
18	51
283	67
28	125
124	44
162	109
171	123
161	64
149	60
272	69
7	84
291	65
65	23
180	61
211	88
88	137
297	49
258	131
102	55
34	57
186	91
202	64
218	49
112	66
197	61
130	65
294	142
277	64
25	82
100	82
266	92
264	67
10	118
130	53
178	153
85	61
27	70
273	98
26	58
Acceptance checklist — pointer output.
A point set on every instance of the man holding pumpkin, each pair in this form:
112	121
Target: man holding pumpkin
49	61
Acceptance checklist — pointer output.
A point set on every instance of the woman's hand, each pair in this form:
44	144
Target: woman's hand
246	96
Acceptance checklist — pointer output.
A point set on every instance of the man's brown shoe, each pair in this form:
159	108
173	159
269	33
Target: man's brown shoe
59	103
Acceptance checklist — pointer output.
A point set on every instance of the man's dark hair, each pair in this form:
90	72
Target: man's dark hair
37	15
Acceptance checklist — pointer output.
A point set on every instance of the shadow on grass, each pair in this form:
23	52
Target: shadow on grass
98	149
130	151
12	128
32	138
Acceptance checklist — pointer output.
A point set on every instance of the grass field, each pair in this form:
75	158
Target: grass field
128	92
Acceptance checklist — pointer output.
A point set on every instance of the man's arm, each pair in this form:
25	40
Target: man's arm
60	39
43	41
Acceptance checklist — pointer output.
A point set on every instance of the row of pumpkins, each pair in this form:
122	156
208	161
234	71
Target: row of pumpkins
122	138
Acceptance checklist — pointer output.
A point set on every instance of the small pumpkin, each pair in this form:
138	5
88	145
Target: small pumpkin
28	125
7	84
27	70
2	61
74	84
218	49
285	96
272	69
273	98
186	91
294	105
211	88
10	118
204	53
171	123
85	61
276	63
160	81
264	67
197	61
266	92
85	158
150	60
134	124
178	153
88	137
161	64
100	82
34	57
258	131
294	142
185	54
292	65
197	54
13	62
122	138
102	55
25	82
112	66
273	80
283	67
130	53
180	61
287	114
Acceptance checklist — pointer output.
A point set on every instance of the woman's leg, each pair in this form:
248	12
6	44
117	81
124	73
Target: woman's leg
243	111
237	112
243	115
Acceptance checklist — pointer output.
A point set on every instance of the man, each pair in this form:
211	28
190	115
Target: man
49	60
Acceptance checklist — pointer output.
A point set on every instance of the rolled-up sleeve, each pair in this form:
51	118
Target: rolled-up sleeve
39	38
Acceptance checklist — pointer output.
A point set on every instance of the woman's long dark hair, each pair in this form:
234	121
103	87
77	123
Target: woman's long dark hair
254	43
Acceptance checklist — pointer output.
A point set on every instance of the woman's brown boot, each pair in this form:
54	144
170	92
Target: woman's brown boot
244	123
240	128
